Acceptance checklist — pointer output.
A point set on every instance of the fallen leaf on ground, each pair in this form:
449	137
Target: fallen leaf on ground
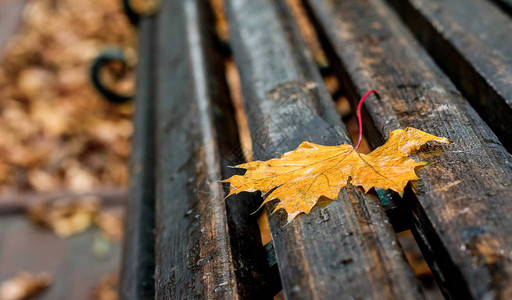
70	216
66	218
107	288
52	120
145	7
23	286
300	177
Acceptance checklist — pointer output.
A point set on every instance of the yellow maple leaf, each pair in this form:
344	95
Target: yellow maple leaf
300	177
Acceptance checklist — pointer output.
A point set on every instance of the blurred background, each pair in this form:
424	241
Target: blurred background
63	148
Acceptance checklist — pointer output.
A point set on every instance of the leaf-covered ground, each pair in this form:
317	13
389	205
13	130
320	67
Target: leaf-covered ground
56	132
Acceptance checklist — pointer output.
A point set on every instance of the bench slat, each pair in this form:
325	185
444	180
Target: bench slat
194	257
472	42
138	266
347	248
463	201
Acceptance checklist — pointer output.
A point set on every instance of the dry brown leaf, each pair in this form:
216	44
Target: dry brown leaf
42	181
78	178
66	218
48	107
107	288
110	224
145	7
300	177
23	286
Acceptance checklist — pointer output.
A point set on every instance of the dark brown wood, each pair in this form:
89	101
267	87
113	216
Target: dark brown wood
256	279
192	246
471	41
462	203
199	255
347	249
138	267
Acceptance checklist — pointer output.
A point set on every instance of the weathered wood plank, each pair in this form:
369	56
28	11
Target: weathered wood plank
196	253
463	202
138	267
471	41
192	236
255	278
348	247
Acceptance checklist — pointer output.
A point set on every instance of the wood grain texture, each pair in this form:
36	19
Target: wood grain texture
197	255
138	267
463	201
471	41
255	278
348	247
192	248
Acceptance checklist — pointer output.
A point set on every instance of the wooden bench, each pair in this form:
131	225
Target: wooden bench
184	242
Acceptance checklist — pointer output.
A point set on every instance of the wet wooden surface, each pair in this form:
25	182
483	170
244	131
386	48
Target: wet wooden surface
348	247
471	41
461	205
195	253
138	267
